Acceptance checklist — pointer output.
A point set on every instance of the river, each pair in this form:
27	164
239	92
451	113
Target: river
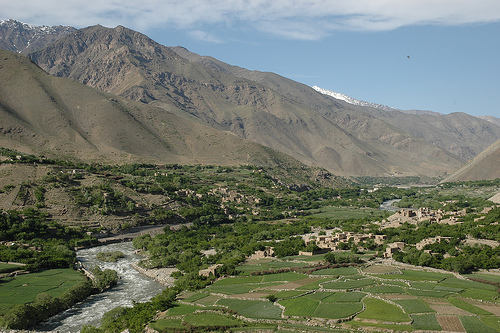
132	286
387	205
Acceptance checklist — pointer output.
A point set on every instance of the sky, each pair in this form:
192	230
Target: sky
439	55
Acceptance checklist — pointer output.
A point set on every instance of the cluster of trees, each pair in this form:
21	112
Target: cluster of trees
103	198
34	240
103	280
110	256
469	258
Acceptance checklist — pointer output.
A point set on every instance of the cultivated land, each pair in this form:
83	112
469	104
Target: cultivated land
382	296
24	288
246	228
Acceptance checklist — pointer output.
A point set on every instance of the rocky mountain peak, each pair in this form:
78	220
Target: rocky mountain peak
19	37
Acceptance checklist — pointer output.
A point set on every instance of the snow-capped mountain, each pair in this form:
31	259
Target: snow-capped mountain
382	107
351	100
20	37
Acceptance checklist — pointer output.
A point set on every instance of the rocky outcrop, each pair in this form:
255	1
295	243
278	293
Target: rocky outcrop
162	275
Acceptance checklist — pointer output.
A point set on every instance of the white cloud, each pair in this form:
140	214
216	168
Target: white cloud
204	36
299	19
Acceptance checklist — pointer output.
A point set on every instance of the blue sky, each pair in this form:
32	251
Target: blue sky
358	47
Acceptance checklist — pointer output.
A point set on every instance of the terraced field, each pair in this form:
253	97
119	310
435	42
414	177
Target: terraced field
342	298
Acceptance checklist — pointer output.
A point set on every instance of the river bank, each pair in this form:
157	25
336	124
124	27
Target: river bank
133	286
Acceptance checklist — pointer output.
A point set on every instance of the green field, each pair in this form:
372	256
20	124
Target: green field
414	275
425	322
348	284
341	271
377	309
4	267
24	288
414	306
340	293
252	309
474	325
299	307
461	304
337	311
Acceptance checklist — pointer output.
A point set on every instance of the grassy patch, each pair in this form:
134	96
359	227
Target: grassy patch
314	285
288	277
461	304
385	290
164	324
182	309
379	269
427	293
481	294
414	306
427	322
413	275
238	280
320	295
474	325
379	310
337	311
195	297
348	284
24	288
353	296
484	276
232	289
465	284
211	319
4	267
423	285
341	271
252	309
288	293
300	306
493	322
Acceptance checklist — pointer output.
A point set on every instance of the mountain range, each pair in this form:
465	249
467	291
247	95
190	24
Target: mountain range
265	108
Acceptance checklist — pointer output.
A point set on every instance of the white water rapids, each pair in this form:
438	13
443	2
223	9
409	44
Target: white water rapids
132	286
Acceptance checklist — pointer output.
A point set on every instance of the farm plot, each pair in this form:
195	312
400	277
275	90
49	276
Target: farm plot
379	269
252	309
348	284
24	288
337	311
480	294
414	275
449	323
459	303
299	307
414	306
426	322
474	325
385	290
376	309
493	308
340	271
182	309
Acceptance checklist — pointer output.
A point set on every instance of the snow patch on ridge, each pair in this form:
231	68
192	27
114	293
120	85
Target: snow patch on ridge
351	100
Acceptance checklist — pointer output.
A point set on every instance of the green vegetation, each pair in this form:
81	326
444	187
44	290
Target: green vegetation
31	298
110	256
461	304
232	212
414	306
377	309
426	322
474	325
